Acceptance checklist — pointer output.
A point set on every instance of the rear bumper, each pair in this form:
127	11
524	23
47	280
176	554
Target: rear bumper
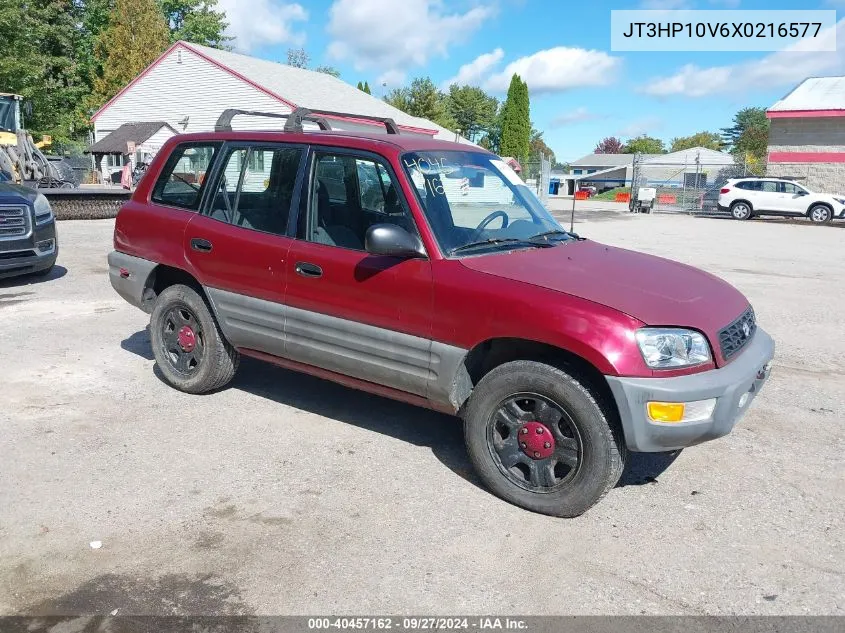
728	385
29	255
128	276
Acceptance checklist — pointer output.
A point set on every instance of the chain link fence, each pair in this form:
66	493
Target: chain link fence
693	186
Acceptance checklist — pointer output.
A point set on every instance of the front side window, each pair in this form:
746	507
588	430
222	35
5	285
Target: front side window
255	188
474	199
791	188
348	195
183	177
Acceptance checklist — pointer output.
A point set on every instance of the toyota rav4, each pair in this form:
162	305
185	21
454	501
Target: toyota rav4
427	271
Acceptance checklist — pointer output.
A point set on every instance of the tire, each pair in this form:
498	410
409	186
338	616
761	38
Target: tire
741	210
569	490
199	361
820	214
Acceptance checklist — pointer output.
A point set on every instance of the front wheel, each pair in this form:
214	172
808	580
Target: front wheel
741	211
820	214
188	347
539	439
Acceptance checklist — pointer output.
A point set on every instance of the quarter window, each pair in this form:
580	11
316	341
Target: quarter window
255	188
183	177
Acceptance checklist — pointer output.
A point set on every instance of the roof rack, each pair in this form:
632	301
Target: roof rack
294	120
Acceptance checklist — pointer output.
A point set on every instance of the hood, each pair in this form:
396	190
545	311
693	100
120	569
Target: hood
654	290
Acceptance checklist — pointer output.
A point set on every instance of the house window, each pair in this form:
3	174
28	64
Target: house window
114	160
591	171
577	172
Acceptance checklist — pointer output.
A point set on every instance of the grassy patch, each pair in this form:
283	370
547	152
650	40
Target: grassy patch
611	194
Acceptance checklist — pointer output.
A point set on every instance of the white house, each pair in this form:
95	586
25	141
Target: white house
190	85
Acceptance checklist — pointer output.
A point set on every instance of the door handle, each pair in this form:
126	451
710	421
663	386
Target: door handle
201	245
308	270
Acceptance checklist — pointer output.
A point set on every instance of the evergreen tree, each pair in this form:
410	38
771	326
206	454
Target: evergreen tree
367	88
516	120
422	99
360	86
136	35
748	137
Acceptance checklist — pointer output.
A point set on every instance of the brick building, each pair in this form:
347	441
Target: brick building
807	135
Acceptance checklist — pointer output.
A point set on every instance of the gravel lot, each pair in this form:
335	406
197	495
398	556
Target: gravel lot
286	494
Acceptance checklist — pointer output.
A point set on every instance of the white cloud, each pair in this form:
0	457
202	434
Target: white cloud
392	79
379	35
263	22
578	115
477	71
558	69
781	69
647	125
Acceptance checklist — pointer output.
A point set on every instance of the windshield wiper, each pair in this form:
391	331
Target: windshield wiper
548	234
493	241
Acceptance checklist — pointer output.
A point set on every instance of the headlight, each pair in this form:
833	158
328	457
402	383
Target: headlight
43	211
666	348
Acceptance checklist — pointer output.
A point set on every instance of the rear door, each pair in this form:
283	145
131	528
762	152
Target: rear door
238	246
348	311
767	196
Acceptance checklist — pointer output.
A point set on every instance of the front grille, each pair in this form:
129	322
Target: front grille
734	337
14	222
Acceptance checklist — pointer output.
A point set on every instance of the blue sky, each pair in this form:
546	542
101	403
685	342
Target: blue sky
581	91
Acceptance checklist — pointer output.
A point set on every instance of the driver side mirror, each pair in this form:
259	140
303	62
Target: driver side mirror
392	241
801	193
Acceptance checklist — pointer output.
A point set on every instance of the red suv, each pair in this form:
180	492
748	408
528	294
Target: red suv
427	271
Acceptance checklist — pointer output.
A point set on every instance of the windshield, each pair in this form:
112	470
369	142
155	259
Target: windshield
475	203
7	113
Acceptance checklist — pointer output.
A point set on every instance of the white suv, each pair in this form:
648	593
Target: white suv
747	197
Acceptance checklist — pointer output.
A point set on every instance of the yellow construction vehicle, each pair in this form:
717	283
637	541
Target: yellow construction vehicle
21	159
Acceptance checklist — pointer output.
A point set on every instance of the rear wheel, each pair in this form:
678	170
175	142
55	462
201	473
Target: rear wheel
820	214
539	439
741	211
188	347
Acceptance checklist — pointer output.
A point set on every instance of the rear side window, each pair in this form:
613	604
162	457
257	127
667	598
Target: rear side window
183	178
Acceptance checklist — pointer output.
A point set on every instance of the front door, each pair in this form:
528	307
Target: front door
238	246
347	311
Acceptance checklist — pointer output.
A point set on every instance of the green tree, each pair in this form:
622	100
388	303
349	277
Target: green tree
298	58
38	60
196	21
516	120
473	110
328	70
136	35
422	99
367	88
644	145
360	86
748	137
709	140
610	145
538	146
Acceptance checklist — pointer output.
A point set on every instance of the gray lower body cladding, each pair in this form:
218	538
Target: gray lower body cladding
385	357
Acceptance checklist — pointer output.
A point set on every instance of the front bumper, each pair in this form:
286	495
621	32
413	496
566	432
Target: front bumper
23	256
728	385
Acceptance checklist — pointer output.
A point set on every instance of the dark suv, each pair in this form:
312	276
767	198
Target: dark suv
427	271
28	241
